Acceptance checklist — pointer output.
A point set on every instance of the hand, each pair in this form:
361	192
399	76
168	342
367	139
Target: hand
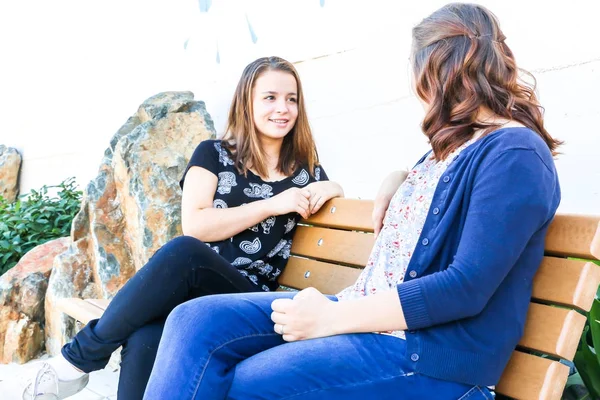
382	201
322	191
291	200
308	316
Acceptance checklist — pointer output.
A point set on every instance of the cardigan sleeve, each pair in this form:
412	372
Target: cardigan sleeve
514	196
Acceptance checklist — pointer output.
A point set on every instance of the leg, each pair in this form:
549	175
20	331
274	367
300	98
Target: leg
205	338
137	358
222	347
344	367
182	269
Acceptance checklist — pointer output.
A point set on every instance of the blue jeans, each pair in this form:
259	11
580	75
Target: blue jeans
183	269
224	347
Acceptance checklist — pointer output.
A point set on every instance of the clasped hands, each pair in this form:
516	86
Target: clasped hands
304	201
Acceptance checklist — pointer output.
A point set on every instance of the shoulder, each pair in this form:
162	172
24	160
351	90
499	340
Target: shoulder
209	145
514	140
301	176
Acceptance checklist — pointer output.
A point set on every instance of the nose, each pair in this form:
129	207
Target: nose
281	106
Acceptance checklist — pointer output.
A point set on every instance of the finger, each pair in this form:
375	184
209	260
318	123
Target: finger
313	201
303	201
281	305
279	318
305	192
302	211
304	293
377	227
318	204
290	338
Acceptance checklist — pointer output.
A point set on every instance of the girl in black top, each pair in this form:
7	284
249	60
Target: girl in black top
242	197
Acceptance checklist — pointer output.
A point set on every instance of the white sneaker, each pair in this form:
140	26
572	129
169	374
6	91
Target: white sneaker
47	386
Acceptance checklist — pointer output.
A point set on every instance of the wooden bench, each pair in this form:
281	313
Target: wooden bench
331	247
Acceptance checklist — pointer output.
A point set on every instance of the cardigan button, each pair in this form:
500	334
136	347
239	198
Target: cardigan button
414	357
412	331
436	211
413	274
425	242
446	179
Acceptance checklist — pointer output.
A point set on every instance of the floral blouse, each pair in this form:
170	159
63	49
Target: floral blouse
402	226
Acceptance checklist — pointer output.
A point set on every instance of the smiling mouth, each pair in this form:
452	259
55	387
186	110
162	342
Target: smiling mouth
279	121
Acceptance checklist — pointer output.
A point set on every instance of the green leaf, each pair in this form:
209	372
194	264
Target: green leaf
587	364
5	244
594	320
5	257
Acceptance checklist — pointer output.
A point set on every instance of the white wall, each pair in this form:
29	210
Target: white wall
73	71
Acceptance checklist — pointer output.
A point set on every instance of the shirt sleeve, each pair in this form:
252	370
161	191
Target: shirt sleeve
514	196
206	156
320	174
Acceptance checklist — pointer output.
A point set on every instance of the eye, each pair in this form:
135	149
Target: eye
270	97
293	99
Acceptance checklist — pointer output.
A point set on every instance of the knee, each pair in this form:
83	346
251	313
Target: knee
181	243
199	316
181	251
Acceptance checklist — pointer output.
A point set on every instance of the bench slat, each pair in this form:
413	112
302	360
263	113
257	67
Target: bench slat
79	309
333	245
350	214
100	303
301	273
528	377
574	236
566	282
552	330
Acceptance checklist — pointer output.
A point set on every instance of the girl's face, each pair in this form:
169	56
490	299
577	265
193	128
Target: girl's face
275	104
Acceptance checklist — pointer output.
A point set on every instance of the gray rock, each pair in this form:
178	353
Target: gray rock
10	165
131	208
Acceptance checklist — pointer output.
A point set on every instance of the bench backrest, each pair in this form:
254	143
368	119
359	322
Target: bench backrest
331	247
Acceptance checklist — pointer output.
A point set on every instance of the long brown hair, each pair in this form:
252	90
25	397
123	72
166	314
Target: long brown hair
461	64
242	139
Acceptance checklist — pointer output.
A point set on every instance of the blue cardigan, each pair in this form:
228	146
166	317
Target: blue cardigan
481	245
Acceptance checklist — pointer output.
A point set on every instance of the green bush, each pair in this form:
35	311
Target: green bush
36	218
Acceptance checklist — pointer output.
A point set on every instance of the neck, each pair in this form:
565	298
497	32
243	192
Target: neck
487	116
272	149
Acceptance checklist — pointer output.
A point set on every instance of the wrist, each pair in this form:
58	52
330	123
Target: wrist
265	208
338	190
338	318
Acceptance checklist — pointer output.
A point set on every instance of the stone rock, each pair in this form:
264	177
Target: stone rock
131	208
10	164
22	292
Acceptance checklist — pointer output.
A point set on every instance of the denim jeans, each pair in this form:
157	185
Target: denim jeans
224	347
183	269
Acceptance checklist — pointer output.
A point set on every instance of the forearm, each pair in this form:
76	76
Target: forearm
376	313
391	184
337	190
214	224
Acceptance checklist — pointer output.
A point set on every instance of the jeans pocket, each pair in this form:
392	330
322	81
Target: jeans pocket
477	393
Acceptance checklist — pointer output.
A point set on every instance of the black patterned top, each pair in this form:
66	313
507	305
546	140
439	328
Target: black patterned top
260	252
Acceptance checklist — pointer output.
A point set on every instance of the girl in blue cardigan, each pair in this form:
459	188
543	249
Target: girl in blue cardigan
442	301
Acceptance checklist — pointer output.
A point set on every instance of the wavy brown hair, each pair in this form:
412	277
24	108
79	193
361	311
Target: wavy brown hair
461	65
242	139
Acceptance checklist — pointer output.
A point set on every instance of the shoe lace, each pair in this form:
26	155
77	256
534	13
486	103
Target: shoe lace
45	374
